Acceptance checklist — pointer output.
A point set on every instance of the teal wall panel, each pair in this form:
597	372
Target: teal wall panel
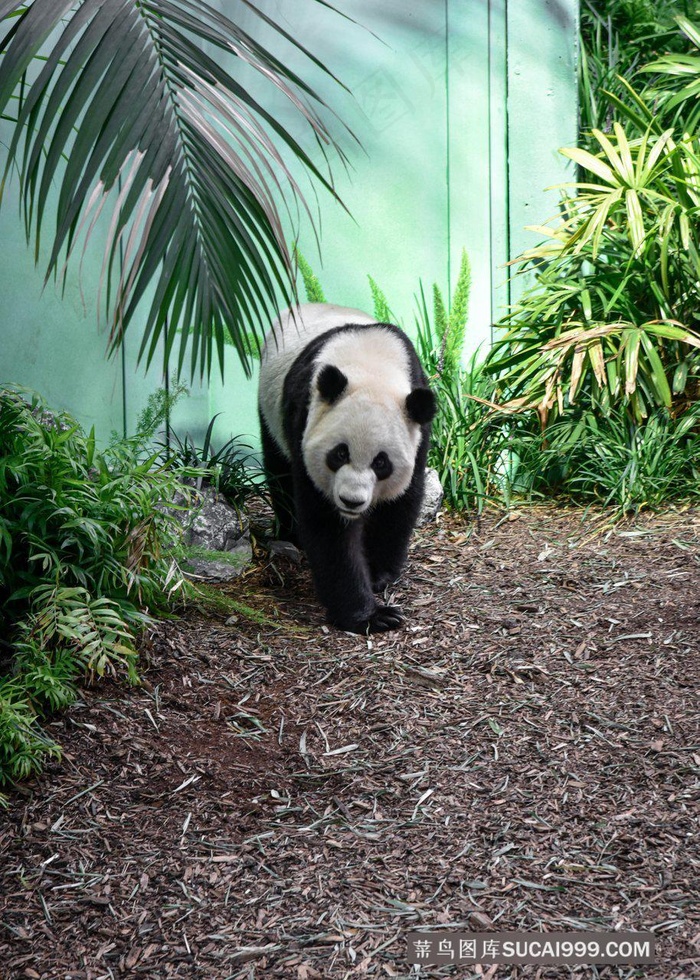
51	342
498	204
395	188
541	105
460	107
469	162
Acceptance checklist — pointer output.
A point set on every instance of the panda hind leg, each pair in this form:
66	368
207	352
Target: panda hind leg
281	487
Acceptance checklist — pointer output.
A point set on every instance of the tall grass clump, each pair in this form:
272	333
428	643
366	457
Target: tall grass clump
469	441
85	558
232	468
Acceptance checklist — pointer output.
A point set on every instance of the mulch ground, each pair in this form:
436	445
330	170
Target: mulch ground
283	800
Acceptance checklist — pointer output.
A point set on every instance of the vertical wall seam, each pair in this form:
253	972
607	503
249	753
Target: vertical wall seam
498	34
448	178
507	153
166	384
489	144
122	346
123	359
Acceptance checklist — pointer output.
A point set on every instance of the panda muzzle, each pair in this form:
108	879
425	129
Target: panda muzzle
351	507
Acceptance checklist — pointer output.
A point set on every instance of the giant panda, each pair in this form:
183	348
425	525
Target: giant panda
345	413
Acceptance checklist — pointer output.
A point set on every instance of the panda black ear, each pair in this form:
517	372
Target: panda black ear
331	383
421	405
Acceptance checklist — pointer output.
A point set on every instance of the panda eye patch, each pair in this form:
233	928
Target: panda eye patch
337	457
382	466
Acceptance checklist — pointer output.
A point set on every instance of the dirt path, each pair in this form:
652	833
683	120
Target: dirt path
286	801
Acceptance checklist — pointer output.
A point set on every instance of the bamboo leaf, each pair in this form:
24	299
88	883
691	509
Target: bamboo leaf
627	166
635	220
665	237
630	351
662	389
680	378
672	331
689	29
577	363
613	156
595	353
664	141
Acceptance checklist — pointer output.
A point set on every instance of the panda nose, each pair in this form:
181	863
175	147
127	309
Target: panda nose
351	504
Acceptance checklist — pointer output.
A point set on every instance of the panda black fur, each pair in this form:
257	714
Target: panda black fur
345	415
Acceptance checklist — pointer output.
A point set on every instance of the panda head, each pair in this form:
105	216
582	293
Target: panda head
360	444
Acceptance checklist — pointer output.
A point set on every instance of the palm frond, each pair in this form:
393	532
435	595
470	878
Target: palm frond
120	107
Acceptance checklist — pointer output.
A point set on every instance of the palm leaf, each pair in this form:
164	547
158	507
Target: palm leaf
585	159
120	108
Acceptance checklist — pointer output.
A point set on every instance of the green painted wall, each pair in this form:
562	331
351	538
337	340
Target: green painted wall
460	106
54	342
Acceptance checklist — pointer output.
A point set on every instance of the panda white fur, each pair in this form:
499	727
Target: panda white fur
345	415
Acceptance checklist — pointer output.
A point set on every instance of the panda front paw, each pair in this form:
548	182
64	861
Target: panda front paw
384	618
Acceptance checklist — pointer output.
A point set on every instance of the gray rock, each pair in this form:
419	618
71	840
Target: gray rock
214	524
433	496
285	549
211	524
217	566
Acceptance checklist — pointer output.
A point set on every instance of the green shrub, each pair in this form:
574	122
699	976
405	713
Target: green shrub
24	747
86	552
611	317
601	354
617	38
594	457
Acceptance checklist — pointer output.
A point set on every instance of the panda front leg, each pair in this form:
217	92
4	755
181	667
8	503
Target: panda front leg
341	575
387	536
